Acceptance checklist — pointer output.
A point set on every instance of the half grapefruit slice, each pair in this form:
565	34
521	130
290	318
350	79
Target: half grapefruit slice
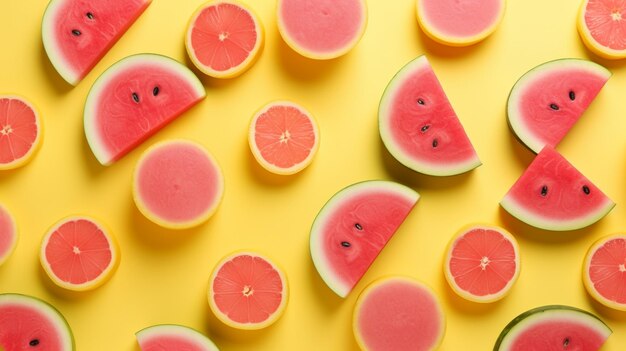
20	131
8	234
602	27
604	271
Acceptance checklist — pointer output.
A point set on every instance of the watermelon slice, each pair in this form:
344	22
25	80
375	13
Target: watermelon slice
135	98
29	323
547	101
419	126
173	337
553	328
353	227
8	234
77	33
553	195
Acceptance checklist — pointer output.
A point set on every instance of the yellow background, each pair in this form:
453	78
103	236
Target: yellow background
163	274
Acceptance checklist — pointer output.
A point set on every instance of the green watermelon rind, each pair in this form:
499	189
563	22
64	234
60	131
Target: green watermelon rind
514	120
187	333
63	328
91	133
539	314
387	137
315	240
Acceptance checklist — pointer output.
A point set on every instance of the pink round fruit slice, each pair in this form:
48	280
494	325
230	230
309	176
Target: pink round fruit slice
283	137
604	271
602	27
459	23
166	337
177	184
20	131
398	313
482	263
247	291
322	29
224	38
8	234
79	254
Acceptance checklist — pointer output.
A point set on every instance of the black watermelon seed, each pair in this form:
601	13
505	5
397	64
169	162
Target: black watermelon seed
76	32
554	107
358	226
421	101
345	244
572	96
565	342
34	342
425	128
155	91
136	97
435	142
544	190
89	15
586	190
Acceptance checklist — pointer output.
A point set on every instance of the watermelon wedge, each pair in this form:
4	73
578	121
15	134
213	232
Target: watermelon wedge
553	195
29	323
553	328
419	126
76	34
173	337
545	103
8	234
135	98
354	226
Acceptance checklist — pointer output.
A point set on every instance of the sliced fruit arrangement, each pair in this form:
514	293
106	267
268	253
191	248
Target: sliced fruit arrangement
224	38
482	263
553	328
398	313
602	28
459	23
78	33
283	137
419	127
166	337
552	194
546	102
177	184
604	271
322	29
21	131
135	98
28	323
79	254
247	291
354	226
8	234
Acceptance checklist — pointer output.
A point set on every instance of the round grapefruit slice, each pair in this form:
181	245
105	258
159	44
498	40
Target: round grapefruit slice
177	184
8	235
20	131
247	291
173	337
79	254
602	27
224	38
459	23
283	137
322	29
398	313
604	271
482	263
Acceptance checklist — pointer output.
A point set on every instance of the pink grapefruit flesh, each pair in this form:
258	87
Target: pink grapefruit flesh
20	131
283	137
166	337
178	184
8	234
604	271
602	27
247	291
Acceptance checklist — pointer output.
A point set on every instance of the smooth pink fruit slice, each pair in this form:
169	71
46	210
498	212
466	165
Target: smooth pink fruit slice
602	27
604	271
8	234
20	131
170	337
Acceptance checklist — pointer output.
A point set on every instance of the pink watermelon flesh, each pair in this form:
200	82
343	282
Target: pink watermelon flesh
134	99
353	227
8	234
78	33
553	195
548	100
419	126
461	19
173	337
27	323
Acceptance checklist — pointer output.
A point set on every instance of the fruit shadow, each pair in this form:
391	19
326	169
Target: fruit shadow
461	305
609	313
440	50
523	155
54	79
589	55
268	178
59	292
326	298
91	163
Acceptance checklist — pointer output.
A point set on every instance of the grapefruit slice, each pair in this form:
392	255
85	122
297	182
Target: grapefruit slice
20	131
482	263
79	254
322	29
459	23
604	271
166	337
247	291
8	235
602	27
283	137
177	184
224	38
29	323
398	313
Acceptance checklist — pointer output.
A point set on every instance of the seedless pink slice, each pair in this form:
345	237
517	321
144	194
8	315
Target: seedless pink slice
8	234
20	131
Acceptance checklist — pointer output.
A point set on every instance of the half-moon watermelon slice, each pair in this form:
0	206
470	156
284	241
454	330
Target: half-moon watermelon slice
419	126
134	99
552	194
546	102
165	337
354	226
77	33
